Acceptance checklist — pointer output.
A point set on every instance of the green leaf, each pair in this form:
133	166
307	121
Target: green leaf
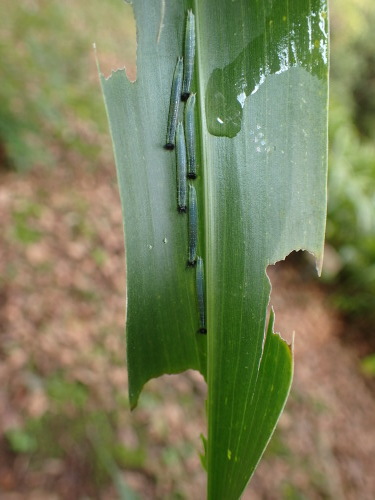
261	83
368	365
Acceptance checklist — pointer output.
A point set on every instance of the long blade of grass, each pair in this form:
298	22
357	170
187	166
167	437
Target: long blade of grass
261	83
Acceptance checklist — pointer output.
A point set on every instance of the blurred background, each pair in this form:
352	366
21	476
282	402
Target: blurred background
65	426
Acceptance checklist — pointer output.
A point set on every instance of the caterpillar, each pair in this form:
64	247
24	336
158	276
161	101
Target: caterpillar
174	104
193	226
190	137
200	295
189	55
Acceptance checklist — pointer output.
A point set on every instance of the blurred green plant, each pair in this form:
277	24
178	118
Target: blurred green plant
77	430
368	365
351	203
49	98
23	229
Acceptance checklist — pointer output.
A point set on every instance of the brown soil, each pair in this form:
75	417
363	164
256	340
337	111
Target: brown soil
61	318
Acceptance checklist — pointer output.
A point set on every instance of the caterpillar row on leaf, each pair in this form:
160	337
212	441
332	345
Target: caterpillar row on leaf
183	139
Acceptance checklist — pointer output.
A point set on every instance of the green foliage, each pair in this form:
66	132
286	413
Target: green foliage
74	429
291	492
22	440
64	393
368	365
351	222
23	224
48	100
